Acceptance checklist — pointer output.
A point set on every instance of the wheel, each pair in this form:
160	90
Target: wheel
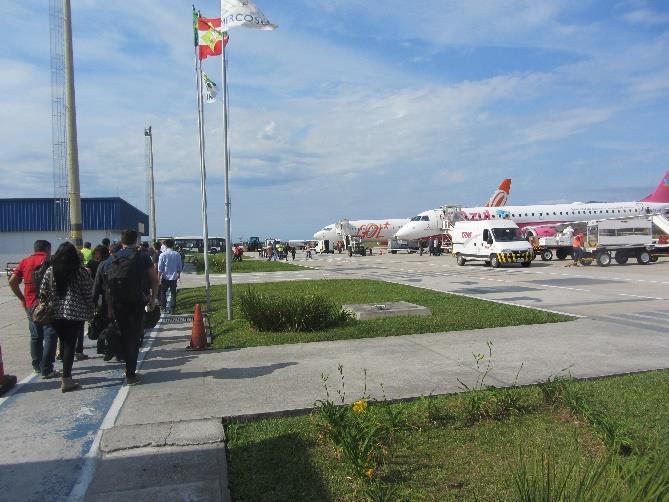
621	258
643	258
547	255
561	254
494	261
394	252
486	263
653	259
460	260
526	264
604	259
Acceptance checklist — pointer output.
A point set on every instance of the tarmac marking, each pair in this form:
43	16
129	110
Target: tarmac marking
92	455
644	297
20	384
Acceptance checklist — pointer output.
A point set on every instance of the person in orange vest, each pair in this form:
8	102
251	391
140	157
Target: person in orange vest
577	245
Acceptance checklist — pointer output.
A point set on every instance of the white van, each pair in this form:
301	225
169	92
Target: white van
493	242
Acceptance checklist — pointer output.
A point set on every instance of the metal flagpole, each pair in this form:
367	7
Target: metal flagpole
226	157
203	175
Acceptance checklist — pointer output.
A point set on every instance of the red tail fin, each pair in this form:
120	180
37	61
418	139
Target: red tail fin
661	193
500	196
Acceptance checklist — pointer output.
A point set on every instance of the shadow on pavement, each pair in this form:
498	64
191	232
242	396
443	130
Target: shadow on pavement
275	469
221	373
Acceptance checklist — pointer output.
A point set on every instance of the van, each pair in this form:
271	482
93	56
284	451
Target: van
493	242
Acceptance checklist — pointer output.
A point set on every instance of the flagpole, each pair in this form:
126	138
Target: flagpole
203	175
226	157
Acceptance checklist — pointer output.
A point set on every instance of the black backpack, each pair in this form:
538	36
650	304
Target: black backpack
124	280
38	274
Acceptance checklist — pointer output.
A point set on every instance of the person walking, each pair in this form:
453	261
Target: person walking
108	346
86	253
169	272
292	252
127	277
43	339
67	286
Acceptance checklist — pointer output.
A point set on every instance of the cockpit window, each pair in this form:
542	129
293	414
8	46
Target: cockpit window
425	218
416	218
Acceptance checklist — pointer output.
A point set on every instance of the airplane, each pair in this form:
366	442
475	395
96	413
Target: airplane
381	231
533	217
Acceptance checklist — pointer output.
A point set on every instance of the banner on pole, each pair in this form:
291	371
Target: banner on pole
243	13
210	89
210	38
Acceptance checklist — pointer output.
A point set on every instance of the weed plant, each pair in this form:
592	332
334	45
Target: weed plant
276	312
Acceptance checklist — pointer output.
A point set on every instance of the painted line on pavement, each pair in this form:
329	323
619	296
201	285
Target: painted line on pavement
16	388
91	458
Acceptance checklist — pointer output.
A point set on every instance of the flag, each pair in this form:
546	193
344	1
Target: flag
210	89
243	13
210	40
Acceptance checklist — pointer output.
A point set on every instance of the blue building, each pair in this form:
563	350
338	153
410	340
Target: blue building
22	221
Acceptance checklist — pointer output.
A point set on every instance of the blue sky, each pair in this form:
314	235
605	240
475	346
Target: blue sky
349	109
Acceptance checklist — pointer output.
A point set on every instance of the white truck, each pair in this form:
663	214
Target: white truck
492	242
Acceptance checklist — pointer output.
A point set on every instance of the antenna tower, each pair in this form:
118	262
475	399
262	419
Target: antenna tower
59	146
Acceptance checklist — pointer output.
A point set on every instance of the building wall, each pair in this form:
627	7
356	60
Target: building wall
14	246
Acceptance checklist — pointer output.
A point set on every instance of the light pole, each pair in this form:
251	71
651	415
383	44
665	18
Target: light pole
151	186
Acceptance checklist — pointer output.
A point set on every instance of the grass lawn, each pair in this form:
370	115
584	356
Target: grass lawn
449	312
217	264
432	450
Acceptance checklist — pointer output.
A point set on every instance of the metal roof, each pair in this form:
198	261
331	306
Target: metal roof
98	213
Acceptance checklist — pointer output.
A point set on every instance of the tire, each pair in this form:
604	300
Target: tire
460	260
604	259
526	264
486	263
653	259
394	252
561	254
547	255
621	258
643	258
494	261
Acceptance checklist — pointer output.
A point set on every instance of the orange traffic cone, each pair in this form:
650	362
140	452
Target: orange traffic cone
198	337
6	381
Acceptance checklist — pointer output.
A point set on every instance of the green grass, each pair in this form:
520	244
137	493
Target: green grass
217	264
449	312
438	454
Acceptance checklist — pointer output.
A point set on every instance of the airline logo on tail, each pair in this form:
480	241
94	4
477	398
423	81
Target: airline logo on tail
661	193
501	195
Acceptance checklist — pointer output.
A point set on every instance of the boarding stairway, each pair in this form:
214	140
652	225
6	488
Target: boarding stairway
661	221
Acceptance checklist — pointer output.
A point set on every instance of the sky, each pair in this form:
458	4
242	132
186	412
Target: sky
349	109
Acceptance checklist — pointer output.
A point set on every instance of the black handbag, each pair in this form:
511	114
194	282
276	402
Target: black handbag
97	325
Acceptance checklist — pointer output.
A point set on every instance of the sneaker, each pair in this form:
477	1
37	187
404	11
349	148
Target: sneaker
132	380
68	385
52	374
80	356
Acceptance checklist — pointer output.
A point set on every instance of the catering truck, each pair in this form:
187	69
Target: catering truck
492	242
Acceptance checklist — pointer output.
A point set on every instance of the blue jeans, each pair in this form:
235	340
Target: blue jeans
42	345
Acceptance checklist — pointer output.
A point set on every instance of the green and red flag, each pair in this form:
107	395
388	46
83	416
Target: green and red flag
209	39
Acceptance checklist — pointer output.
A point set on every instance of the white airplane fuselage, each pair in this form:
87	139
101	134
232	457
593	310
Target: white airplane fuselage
430	223
379	231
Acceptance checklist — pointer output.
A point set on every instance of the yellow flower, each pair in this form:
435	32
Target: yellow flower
360	406
369	473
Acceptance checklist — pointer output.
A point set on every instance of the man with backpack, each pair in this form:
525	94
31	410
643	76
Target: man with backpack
43	339
131	284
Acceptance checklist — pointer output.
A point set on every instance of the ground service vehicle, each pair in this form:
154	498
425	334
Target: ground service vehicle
397	245
493	242
324	247
254	244
620	240
354	245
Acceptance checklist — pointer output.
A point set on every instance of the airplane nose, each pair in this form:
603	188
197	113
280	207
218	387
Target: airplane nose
401	233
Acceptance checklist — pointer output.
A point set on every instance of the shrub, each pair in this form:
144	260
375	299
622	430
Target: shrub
268	312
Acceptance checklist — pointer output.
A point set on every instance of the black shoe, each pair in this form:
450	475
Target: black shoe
132	380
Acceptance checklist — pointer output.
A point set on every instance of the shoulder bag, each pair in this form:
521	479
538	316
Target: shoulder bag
43	312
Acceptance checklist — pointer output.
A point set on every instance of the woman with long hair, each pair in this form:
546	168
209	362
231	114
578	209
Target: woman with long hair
68	286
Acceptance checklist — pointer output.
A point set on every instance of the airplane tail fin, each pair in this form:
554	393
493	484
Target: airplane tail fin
501	195
661	193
